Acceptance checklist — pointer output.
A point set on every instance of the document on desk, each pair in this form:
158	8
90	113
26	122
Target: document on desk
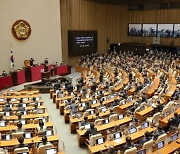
119	140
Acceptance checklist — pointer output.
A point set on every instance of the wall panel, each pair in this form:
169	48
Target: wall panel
110	19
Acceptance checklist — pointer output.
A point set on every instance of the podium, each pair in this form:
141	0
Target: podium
5	81
34	73
18	77
62	70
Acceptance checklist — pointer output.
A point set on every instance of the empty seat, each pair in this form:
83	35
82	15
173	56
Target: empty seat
131	151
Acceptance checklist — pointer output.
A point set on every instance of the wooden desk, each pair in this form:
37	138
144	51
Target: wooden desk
14	142
102	128
169	148
163	122
27	126
153	87
117	144
142	115
124	107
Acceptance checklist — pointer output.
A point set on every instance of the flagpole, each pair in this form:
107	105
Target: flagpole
11	58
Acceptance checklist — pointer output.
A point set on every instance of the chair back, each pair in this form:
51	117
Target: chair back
162	137
148	146
21	150
131	151
113	117
98	121
93	138
156	117
17	135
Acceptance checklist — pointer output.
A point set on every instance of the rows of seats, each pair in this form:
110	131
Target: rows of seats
25	126
121	94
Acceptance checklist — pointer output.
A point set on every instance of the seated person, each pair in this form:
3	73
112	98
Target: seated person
73	108
111	150
129	144
41	127
159	106
4	73
21	143
174	121
147	137
91	131
34	101
44	141
158	132
19	128
21	108
19	114
7	108
85	121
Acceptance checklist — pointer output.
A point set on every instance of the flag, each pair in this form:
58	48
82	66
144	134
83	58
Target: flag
12	60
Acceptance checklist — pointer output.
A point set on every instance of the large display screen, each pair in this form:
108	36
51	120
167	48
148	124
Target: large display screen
165	30
149	30
82	42
177	30
135	29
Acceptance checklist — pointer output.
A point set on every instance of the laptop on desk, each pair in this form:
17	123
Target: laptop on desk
132	130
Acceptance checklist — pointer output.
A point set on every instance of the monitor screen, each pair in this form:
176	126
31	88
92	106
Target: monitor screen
160	144
7	113
87	126
13	99
92	112
142	151
6	137
106	121
51	151
83	104
120	116
28	135
57	91
174	137
82	42
40	111
123	102
25	99
37	98
100	141
1	99
132	130
11	105
49	132
94	101
23	121
104	109
145	125
39	104
24	105
117	135
2	123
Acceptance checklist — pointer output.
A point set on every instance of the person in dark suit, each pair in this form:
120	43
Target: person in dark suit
175	120
85	121
7	108
21	143
158	132
46	61
73	108
159	106
69	88
93	87
91	131
147	137
129	144
101	77
31	62
21	108
4	73
19	128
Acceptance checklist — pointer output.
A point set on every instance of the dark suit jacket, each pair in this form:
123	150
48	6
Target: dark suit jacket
128	146
175	121
91	131
7	109
21	109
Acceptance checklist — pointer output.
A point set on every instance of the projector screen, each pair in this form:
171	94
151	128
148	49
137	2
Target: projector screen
82	42
135	30
165	30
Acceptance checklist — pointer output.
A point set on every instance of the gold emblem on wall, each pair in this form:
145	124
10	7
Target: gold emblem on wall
21	29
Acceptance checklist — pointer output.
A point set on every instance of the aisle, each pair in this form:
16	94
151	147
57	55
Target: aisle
63	130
